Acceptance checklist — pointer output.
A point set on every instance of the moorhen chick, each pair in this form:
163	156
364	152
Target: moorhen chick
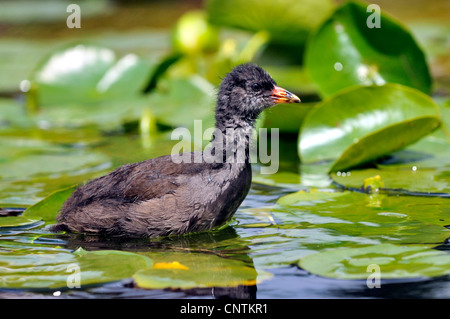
161	197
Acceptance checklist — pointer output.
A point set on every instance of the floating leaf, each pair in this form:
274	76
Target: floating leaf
278	179
398	135
407	181
17	221
57	269
87	73
12	113
360	218
394	261
363	123
108	114
48	208
307	197
72	74
430	153
126	78
347	50
203	270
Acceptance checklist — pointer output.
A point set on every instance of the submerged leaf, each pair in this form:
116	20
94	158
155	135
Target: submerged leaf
72	74
85	84
18	221
181	101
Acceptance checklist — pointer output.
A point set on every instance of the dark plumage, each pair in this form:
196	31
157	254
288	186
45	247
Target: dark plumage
159	197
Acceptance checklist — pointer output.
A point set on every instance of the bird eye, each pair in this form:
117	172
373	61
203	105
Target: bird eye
256	87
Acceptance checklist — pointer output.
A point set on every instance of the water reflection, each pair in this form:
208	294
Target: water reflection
215	260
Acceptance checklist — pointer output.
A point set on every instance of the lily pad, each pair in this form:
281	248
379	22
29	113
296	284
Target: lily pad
17	221
394	261
85	73
430	153
48	208
278	179
358	153
12	113
363	123
180	101
411	181
361	218
60	269
71	74
349	49
43	211
196	270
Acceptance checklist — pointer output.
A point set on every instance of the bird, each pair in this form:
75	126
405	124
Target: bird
162	197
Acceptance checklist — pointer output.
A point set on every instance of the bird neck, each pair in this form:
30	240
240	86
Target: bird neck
231	141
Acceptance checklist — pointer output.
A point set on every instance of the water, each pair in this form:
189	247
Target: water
238	241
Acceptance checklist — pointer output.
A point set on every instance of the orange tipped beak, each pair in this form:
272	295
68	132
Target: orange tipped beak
280	95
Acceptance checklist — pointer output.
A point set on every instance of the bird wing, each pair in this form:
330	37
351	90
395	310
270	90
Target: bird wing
139	181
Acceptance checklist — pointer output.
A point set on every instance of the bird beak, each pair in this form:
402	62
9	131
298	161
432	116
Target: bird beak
280	95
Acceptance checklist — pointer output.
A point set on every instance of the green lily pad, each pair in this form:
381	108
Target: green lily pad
430	153
48	208
45	210
28	157
307	197
394	261
85	73
358	153
278	179
346	51
364	123
12	113
445	116
360	218
36	162
408	181
71	74
191	270
109	115
17	221
126	78
60	269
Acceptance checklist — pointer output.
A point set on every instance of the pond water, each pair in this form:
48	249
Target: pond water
266	235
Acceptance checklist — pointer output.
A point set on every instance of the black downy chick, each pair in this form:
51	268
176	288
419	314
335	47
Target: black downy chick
160	197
